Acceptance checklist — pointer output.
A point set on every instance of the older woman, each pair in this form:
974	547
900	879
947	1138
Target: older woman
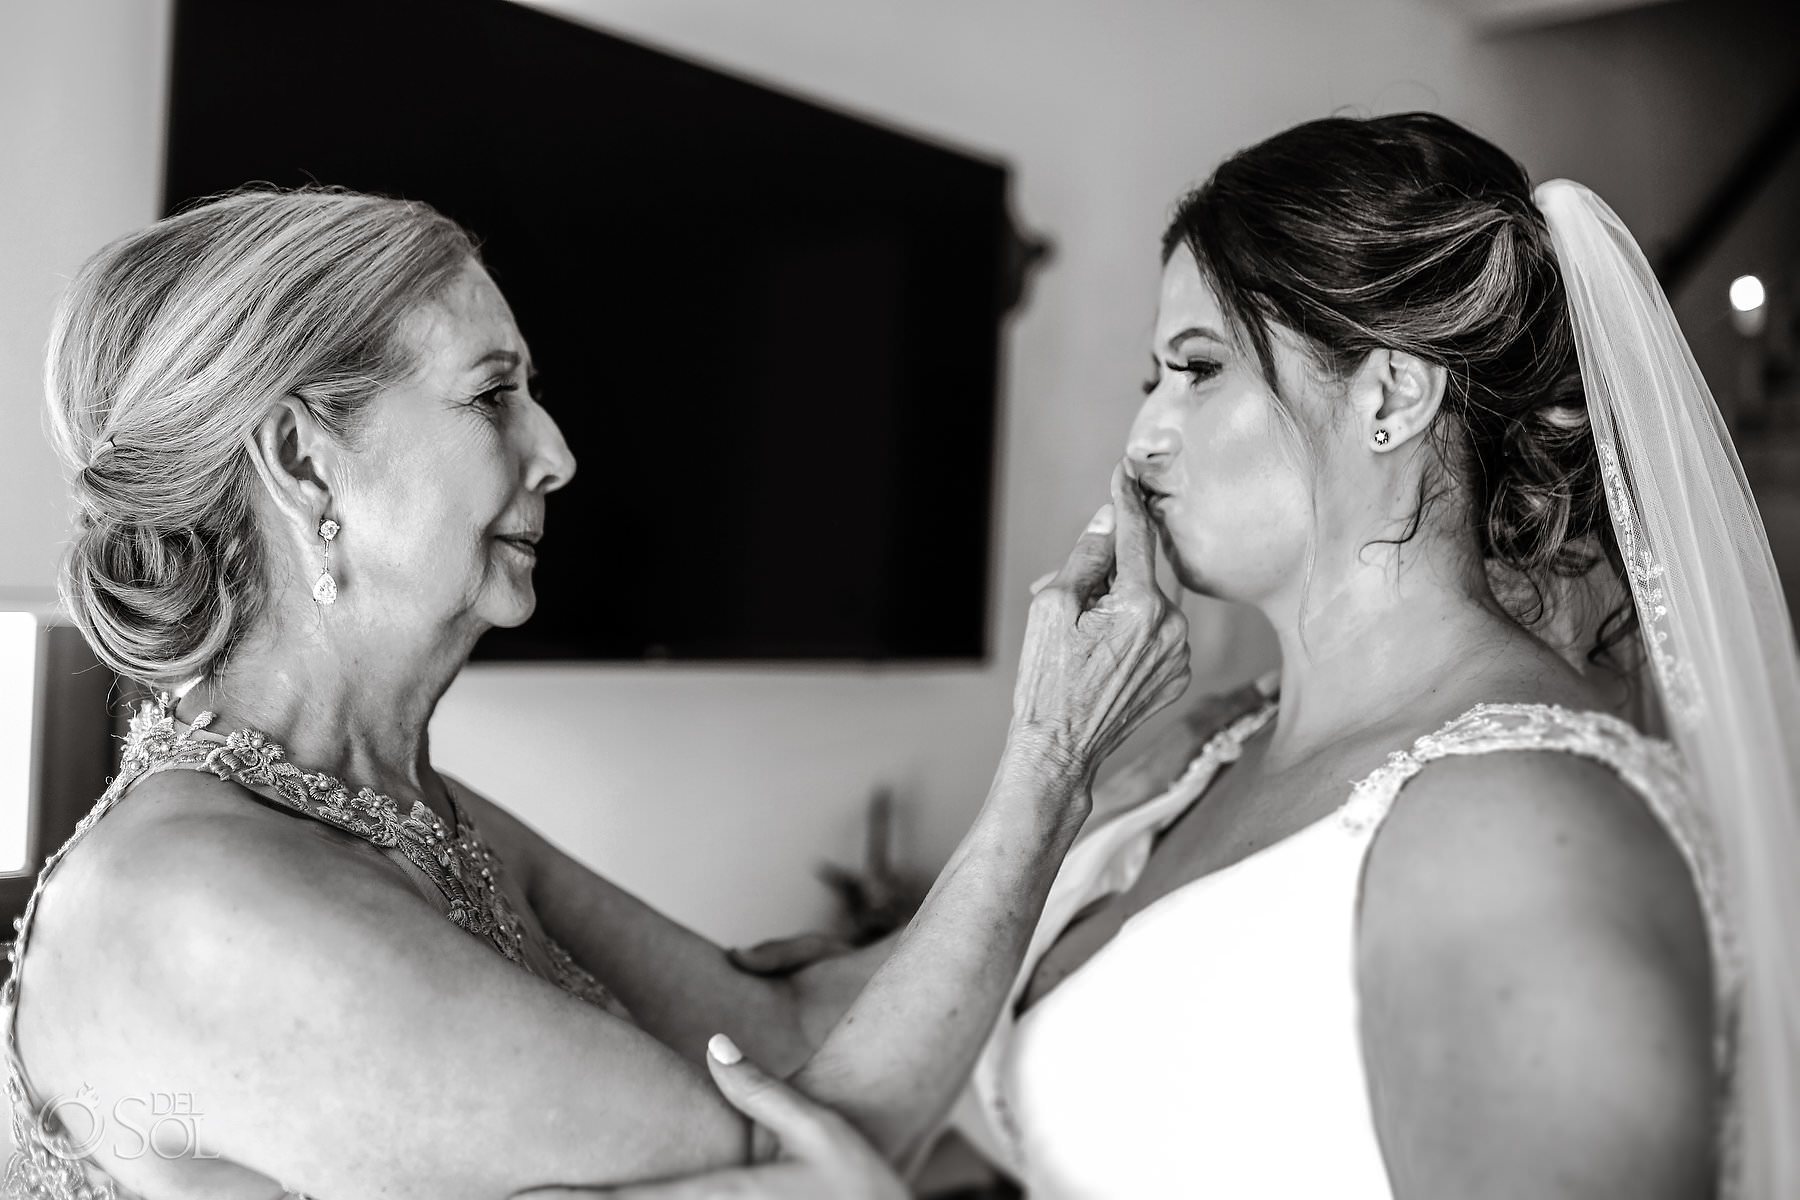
311	471
1421	917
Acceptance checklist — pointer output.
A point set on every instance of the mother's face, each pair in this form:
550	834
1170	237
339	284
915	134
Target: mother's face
443	498
1229	482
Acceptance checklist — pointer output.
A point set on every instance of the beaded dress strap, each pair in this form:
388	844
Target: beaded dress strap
45	1164
1650	766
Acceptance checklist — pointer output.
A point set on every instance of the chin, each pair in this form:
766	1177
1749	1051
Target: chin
512	611
1182	561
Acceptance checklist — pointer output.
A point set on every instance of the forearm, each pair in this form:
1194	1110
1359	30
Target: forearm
680	987
826	989
896	1060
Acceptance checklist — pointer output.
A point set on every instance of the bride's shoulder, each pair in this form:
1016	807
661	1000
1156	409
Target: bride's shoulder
1514	856
1527	926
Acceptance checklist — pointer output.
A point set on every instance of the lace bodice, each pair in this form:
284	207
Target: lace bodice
464	881
1212	1046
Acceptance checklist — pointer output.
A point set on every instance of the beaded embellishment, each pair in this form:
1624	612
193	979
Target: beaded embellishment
459	867
458	862
1680	686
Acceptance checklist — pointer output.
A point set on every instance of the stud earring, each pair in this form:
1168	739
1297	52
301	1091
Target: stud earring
1382	437
324	589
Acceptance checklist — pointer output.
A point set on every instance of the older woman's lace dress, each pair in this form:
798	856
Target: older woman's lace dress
453	869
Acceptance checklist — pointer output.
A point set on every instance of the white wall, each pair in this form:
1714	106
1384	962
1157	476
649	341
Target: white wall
713	792
81	118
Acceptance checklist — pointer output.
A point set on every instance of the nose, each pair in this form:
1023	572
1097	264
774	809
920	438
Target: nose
548	463
1154	441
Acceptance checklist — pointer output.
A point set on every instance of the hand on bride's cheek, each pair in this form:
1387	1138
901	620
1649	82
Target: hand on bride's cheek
1232	484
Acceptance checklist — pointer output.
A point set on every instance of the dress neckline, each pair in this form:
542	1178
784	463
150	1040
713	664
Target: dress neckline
1370	796
456	860
250	746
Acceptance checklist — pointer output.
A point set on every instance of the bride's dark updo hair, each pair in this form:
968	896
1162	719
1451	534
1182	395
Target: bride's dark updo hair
1408	232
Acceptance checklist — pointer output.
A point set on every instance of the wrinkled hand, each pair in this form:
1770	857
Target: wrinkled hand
821	1156
1104	648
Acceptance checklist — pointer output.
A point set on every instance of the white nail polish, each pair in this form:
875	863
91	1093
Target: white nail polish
724	1049
1103	520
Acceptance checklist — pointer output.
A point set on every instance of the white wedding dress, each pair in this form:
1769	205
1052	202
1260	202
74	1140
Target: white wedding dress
1211	1048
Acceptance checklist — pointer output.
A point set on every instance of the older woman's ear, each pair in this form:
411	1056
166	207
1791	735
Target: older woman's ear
296	459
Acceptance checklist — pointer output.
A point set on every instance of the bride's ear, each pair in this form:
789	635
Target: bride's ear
1396	395
296	461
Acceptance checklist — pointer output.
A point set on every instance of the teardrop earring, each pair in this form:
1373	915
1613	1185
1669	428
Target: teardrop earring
324	589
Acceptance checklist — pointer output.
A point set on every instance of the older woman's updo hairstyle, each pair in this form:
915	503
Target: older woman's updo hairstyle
1410	233
168	350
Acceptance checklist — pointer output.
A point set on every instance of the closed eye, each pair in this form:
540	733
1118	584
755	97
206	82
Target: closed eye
1198	371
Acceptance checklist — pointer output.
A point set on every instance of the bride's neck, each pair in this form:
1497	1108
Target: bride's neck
361	716
1385	631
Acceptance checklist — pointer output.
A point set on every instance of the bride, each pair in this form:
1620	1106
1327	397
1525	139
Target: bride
1421	916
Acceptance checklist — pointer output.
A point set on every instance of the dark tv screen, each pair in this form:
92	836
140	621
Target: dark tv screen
769	330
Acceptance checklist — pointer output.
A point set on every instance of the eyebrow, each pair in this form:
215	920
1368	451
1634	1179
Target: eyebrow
506	357
1193	331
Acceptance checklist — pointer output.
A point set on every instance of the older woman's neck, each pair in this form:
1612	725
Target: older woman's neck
359	712
1386	629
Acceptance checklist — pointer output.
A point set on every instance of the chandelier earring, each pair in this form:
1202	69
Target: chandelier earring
325	588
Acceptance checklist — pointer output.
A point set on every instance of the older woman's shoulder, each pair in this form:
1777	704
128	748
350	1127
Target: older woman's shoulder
187	883
161	829
179	850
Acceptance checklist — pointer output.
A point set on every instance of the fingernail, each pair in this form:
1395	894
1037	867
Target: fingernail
724	1050
1103	520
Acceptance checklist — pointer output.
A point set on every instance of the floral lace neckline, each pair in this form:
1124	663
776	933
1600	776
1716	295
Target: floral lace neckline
455	860
464	870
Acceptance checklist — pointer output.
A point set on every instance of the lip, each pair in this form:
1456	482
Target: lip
1152	496
524	542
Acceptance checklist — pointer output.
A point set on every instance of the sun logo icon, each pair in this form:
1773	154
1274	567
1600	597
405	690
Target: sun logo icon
76	1137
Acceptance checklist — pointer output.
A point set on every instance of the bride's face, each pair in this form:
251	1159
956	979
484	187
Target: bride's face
1226	467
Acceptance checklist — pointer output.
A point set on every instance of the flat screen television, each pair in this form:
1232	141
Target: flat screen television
768	329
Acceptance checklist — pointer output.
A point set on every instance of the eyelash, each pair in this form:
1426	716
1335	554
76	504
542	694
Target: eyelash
494	395
1198	371
499	396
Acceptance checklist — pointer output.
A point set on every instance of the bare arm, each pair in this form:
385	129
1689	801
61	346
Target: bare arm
1103	649
680	986
1536	999
344	1038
